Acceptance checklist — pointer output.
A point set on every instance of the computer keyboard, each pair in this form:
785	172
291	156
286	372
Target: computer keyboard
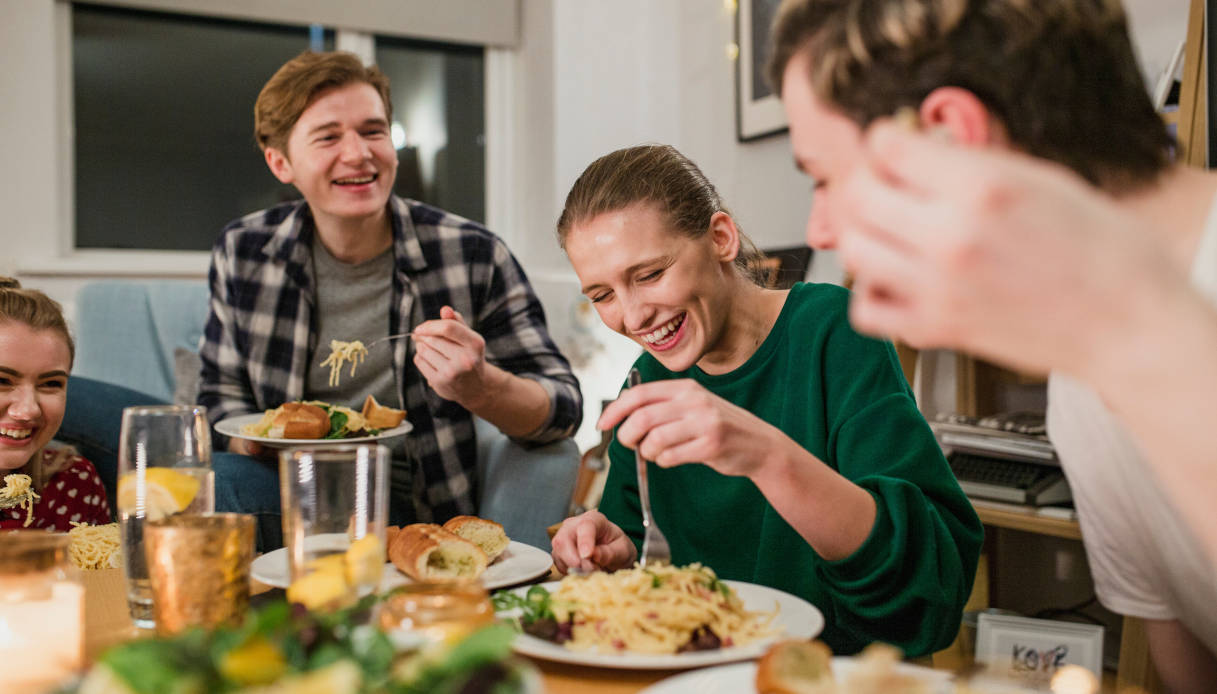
1008	480
1007	473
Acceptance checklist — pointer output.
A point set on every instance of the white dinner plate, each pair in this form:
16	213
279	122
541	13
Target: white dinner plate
231	427
797	618
518	563
740	678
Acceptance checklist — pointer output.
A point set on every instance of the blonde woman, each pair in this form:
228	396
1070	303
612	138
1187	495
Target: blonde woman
36	354
787	449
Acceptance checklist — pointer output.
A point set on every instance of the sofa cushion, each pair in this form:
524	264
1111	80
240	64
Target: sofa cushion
126	331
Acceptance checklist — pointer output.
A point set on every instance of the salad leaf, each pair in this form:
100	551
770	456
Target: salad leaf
338	424
533	605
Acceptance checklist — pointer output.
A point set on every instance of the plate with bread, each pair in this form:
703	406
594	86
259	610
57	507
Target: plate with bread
314	422
464	547
808	667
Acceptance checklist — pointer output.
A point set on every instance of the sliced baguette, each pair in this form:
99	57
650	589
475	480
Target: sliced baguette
427	552
485	533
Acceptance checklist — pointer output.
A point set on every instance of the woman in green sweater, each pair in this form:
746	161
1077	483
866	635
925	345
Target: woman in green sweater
786	449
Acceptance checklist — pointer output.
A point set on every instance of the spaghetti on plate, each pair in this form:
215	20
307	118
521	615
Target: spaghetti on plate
662	609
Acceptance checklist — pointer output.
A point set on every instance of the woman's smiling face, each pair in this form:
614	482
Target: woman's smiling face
34	368
653	284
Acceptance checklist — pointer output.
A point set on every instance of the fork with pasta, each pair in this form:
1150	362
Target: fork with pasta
354	351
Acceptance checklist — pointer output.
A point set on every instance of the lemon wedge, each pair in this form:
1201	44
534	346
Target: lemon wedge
324	589
166	491
365	561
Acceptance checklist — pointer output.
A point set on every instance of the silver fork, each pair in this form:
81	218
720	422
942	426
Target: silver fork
388	337
655	548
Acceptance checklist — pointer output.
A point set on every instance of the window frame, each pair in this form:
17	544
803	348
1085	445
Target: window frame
62	257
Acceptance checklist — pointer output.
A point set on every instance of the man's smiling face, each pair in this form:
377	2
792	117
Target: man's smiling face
340	155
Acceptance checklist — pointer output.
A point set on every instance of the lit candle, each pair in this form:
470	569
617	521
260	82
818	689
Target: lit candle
41	613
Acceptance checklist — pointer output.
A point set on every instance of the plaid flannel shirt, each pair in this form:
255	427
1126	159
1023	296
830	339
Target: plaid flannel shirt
260	339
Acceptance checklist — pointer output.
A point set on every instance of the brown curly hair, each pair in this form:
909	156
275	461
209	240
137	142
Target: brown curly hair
1060	75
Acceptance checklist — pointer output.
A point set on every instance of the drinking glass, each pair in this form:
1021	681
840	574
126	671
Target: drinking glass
164	468
335	508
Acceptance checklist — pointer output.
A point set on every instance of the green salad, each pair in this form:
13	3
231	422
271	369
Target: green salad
285	649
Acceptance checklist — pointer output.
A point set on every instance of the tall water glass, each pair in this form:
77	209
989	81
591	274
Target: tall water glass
164	468
335	509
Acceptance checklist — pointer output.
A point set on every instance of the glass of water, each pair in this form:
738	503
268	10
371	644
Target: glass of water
164	468
335	505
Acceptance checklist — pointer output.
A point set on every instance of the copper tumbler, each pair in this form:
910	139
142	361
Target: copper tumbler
199	569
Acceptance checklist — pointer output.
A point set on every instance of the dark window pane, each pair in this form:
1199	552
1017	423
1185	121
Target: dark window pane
439	122
165	153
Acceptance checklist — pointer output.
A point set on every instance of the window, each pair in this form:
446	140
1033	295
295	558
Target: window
163	121
438	123
163	106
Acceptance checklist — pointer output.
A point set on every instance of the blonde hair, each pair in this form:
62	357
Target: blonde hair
660	175
297	84
1060	75
37	310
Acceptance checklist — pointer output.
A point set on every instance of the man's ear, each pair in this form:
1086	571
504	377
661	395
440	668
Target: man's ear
725	236
279	164
962	115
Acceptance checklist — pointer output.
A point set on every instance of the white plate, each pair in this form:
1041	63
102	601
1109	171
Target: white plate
231	427
518	563
798	618
740	678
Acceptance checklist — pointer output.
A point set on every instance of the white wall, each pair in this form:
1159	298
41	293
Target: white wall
28	181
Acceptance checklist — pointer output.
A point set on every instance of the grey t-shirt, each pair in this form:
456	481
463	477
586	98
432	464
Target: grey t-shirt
353	303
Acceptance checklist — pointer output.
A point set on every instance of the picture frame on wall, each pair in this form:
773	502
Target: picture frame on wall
758	110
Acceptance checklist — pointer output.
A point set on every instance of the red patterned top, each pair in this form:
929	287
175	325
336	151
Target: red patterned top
75	493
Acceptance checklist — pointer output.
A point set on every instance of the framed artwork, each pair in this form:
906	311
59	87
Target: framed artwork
758	109
782	267
1032	650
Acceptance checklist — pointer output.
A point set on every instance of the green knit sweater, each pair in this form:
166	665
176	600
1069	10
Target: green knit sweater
843	398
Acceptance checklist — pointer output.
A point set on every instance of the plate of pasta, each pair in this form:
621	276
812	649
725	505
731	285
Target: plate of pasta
661	617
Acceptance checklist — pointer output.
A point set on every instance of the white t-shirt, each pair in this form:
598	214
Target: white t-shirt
1144	559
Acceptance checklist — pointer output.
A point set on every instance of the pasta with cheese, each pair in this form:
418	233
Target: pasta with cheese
654	610
342	352
94	546
18	491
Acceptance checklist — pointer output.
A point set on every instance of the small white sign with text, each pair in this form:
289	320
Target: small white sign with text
1032	650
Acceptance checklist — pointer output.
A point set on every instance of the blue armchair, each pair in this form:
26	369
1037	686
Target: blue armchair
136	345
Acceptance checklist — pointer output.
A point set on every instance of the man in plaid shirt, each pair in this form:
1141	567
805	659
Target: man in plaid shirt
352	261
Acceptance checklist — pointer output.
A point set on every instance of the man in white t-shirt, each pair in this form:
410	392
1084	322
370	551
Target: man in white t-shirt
1057	81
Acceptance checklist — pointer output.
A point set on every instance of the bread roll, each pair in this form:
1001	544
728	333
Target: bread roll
390	535
298	420
795	667
427	552
377	416
486	534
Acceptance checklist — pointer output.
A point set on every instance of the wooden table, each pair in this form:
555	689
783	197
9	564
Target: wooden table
107	623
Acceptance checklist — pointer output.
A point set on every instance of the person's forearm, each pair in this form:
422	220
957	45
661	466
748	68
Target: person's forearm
517	406
834	515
